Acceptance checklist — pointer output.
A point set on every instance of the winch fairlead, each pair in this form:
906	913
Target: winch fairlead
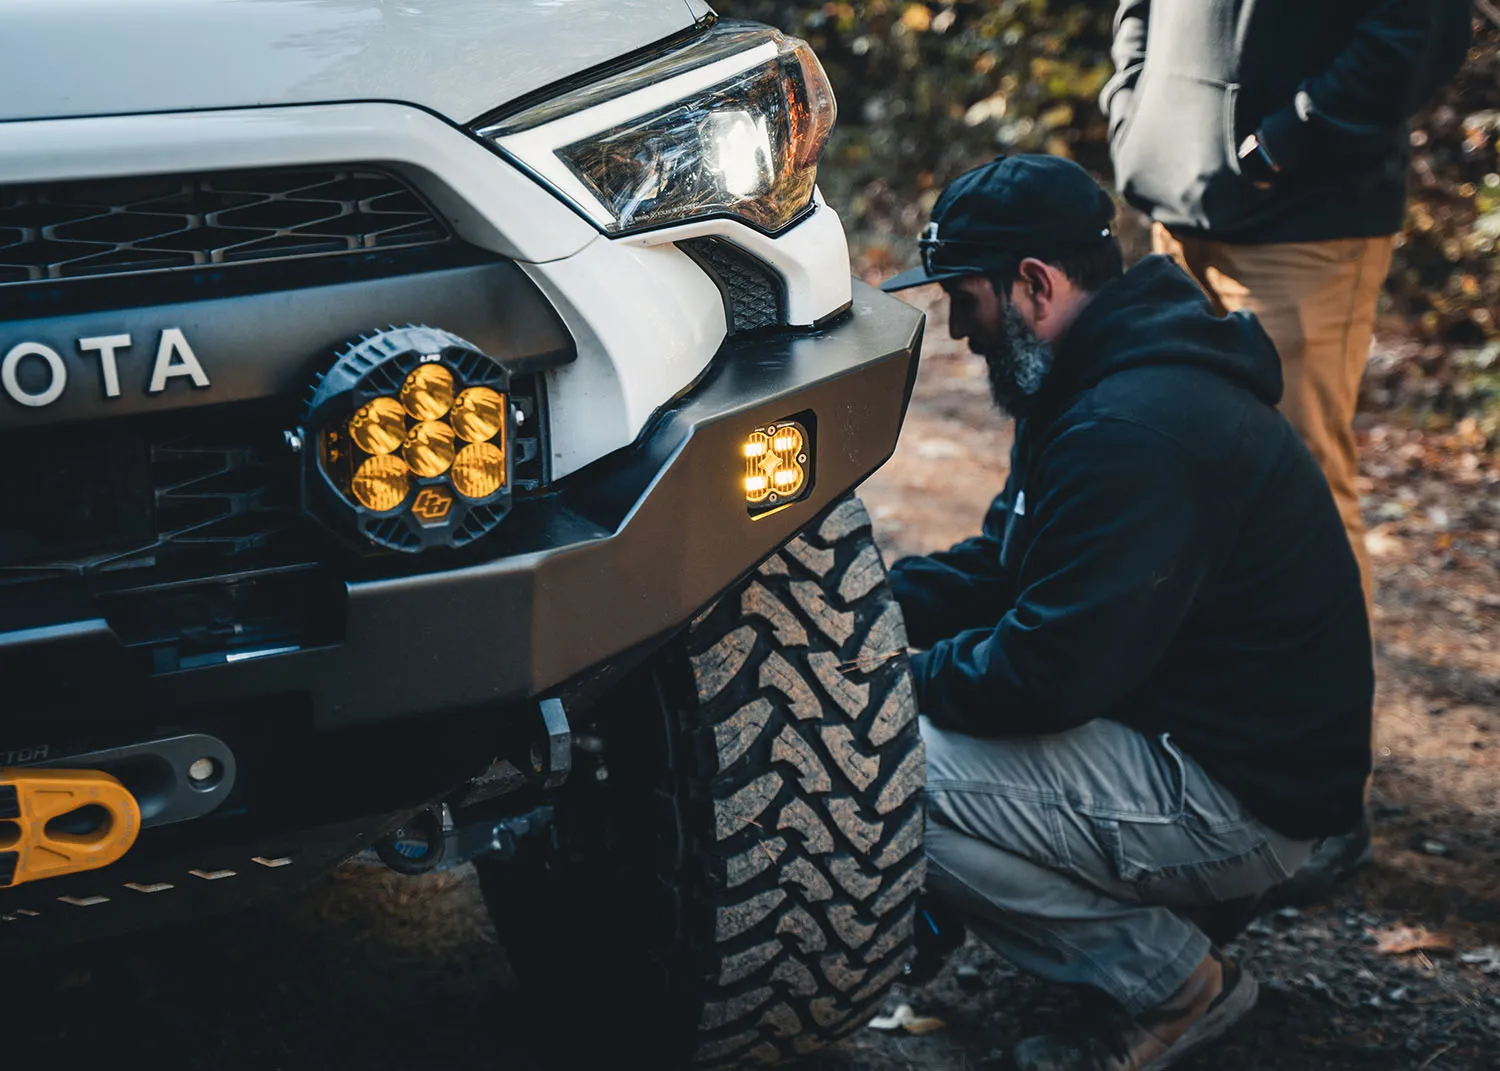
56	822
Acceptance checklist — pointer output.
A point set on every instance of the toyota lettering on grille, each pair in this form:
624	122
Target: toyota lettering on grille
34	374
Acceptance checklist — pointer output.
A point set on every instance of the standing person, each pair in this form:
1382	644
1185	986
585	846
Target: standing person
1268	141
1148	681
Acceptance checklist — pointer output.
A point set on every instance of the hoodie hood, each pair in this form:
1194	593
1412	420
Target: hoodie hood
1155	314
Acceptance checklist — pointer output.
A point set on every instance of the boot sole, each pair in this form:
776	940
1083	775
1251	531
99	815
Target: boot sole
1212	1026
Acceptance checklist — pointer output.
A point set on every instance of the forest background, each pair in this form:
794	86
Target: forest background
928	90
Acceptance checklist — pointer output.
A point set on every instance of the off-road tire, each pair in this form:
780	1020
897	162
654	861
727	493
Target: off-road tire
752	897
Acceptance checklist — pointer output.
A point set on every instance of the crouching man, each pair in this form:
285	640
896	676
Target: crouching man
1147	683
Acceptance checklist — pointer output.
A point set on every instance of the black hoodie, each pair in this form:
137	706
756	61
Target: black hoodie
1327	84
1165	554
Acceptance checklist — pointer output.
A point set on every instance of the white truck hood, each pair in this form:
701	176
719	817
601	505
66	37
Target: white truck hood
459	58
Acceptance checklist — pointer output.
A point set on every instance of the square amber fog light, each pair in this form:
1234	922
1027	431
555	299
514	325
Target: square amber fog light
778	466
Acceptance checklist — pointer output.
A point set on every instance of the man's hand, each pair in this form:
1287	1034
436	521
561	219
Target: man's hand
1256	162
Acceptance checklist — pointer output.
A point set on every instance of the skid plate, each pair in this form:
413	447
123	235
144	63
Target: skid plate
49	826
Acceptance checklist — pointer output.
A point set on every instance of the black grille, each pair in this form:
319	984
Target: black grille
754	294
193	495
163	223
221	485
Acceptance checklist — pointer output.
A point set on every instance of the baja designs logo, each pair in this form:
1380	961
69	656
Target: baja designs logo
35	375
432	505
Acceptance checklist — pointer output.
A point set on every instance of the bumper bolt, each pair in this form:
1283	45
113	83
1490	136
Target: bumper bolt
202	770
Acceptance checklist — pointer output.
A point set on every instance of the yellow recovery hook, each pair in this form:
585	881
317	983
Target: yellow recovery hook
56	822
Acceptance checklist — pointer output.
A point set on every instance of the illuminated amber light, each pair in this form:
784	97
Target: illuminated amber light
381	483
775	464
429	448
427	393
479	470
479	414
378	427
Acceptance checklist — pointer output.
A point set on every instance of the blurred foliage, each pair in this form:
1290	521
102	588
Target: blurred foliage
928	90
1445	282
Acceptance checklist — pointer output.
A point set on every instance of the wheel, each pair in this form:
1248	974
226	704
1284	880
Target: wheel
737	885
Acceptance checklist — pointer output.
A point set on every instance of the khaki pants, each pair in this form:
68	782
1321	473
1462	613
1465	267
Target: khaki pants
1078	856
1317	302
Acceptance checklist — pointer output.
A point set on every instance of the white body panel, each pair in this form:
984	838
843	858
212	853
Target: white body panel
813	258
646	318
459	58
647	322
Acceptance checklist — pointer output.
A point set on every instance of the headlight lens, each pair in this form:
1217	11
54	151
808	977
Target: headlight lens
381	483
478	415
732	124
479	470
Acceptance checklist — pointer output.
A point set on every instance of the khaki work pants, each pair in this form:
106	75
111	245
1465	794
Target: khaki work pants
1079	855
1317	302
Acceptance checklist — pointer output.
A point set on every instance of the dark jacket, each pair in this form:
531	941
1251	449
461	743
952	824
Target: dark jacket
1165	554
1329	84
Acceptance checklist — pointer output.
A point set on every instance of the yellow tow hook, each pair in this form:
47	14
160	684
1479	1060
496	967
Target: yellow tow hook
56	822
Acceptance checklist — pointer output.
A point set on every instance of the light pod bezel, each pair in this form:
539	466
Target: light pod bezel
378	366
763	496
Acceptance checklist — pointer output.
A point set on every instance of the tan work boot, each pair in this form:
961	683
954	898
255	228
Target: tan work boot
1215	997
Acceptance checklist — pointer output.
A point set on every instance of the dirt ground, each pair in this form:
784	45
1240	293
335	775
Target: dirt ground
1400	970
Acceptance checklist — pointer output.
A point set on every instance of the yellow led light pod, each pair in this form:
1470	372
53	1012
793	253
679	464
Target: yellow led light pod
381	483
478	470
412	427
379	426
427	393
479	414
777	465
429	448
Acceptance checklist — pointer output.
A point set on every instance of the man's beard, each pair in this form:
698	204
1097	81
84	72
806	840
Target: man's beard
1018	364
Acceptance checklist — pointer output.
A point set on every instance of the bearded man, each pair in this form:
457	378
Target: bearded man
1147	684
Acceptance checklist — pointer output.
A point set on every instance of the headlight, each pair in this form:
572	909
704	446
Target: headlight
411	429
731	124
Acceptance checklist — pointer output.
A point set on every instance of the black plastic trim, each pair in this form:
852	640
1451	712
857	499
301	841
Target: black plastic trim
713	254
274	343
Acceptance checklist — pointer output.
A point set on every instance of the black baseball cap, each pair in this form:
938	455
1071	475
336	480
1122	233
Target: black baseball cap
991	218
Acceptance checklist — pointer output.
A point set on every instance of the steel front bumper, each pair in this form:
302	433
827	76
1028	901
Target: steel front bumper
617	555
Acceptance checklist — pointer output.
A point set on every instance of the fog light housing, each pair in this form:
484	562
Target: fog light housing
778	465
411	428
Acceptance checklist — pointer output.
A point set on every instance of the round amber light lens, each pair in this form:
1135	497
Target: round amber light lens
381	483
479	414
429	448
378	427
479	470
428	392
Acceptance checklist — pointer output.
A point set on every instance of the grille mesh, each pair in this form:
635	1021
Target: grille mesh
754	295
203	491
159	223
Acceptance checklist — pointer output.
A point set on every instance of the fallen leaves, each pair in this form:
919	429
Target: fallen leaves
1399	940
1487	959
907	1020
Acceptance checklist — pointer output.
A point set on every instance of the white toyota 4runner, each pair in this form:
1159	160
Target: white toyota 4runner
430	429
